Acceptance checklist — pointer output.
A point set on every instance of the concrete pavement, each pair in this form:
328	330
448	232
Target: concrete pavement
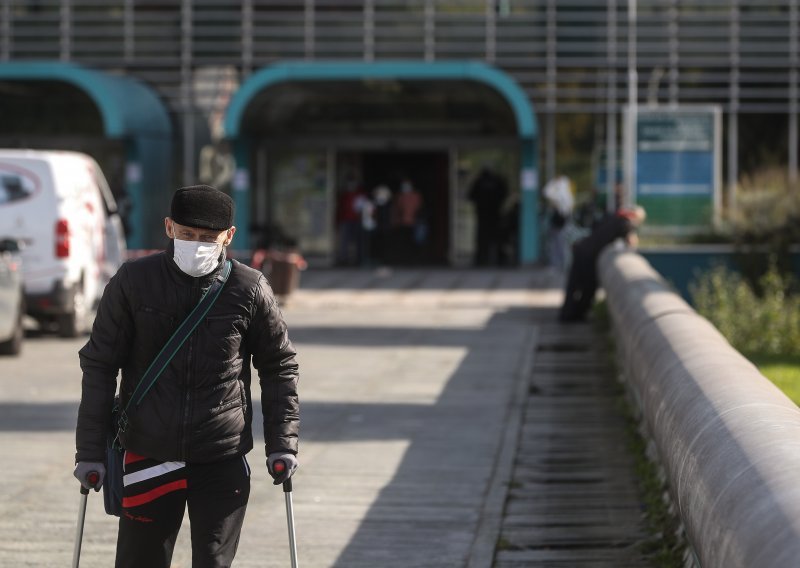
411	403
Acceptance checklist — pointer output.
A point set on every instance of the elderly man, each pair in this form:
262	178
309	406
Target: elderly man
187	435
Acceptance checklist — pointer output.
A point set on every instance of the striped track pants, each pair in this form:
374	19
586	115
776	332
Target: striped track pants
155	496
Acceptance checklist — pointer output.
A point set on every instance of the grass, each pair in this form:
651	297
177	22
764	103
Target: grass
783	370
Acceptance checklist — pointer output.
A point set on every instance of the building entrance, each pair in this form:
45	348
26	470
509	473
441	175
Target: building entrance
406	195
312	142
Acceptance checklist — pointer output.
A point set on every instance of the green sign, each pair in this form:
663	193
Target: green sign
678	166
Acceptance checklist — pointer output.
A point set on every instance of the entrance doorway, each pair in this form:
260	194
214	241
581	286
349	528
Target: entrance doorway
422	114
389	241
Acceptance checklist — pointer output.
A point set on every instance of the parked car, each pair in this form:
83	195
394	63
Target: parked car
12	299
60	205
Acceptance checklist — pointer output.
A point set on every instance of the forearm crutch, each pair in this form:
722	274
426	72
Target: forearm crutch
92	477
280	466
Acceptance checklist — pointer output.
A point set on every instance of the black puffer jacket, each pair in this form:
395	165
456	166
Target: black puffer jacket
199	409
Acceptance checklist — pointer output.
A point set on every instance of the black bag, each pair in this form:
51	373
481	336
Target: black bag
115	453
112	486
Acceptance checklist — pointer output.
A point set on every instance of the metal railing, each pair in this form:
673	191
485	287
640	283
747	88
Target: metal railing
570	56
561	52
725	436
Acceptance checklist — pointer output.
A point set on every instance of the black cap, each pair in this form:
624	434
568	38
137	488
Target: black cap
203	207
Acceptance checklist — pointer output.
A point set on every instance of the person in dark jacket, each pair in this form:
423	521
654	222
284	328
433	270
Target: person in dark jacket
488	193
185	443
582	278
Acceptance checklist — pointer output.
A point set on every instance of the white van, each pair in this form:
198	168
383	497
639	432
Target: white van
59	204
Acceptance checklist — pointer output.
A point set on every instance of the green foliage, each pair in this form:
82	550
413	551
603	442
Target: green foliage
766	217
755	319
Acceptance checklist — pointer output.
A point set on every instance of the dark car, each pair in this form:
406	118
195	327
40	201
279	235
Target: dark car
12	299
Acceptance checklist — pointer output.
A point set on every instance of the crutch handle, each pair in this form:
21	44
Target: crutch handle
279	467
92	477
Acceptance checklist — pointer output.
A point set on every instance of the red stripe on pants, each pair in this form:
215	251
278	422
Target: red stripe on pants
153	494
130	457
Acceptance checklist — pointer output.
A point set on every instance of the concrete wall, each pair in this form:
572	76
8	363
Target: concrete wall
681	265
728	439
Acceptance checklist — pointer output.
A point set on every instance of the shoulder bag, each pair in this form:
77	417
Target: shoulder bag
112	485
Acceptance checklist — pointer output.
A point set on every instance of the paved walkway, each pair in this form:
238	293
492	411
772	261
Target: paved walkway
573	499
415	387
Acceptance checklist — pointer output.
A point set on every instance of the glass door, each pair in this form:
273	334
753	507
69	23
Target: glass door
299	193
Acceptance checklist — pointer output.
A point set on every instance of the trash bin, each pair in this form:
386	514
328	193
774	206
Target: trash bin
282	269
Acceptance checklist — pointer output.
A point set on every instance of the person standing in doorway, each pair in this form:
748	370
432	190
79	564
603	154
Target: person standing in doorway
407	205
382	214
349	223
186	440
488	194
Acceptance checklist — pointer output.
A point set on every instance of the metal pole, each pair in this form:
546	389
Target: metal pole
552	79
793	143
369	30
128	31
6	34
76	552
279	467
611	108
733	111
66	30
186	93
247	38
93	478
290	522
630	139
491	30
309	29
430	31
673	53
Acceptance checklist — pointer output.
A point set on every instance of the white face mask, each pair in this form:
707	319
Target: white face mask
196	258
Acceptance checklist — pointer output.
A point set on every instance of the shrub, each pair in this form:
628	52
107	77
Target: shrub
766	321
766	216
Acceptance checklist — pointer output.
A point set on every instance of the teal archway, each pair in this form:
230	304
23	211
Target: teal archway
519	103
131	113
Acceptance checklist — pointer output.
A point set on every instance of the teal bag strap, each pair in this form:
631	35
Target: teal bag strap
174	343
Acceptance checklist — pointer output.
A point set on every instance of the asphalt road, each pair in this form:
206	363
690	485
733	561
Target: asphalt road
408	387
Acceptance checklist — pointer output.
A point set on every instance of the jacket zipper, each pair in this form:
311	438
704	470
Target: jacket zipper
184	431
187	400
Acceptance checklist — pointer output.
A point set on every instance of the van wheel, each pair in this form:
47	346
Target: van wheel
73	324
13	346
